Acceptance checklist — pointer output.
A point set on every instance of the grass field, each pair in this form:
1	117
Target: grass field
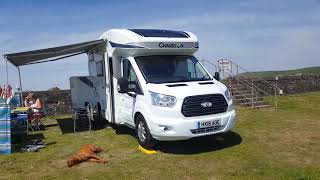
281	143
263	74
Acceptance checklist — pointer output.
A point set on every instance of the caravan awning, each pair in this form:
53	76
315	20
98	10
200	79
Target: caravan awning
44	55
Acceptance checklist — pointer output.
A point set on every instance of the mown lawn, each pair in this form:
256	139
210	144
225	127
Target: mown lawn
281	143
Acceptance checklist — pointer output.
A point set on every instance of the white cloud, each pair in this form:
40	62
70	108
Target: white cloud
255	41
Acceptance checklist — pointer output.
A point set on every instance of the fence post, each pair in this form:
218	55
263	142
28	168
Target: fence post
231	71
252	91
275	95
230	83
256	96
237	69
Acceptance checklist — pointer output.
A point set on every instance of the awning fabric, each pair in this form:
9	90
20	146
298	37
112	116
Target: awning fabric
41	55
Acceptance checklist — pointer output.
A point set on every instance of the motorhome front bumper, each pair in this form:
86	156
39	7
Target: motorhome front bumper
172	129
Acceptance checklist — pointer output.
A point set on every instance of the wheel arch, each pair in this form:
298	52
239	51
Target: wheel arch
136	115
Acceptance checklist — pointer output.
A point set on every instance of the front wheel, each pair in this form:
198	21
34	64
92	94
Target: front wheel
144	137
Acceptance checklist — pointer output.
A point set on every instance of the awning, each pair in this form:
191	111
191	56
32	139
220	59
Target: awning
44	55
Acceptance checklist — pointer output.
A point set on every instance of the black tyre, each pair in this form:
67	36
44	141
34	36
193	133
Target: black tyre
144	137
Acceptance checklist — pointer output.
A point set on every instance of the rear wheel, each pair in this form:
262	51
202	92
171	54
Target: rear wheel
144	137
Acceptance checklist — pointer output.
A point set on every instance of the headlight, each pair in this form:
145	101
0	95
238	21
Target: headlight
162	100
228	95
230	108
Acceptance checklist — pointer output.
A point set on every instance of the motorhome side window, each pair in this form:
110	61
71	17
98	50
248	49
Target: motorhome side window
195	70
99	68
128	72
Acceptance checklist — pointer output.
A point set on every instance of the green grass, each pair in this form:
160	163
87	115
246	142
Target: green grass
281	143
263	74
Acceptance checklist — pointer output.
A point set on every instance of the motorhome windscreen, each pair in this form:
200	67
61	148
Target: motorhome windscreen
171	68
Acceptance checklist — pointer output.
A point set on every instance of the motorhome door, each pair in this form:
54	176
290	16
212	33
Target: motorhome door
127	100
109	89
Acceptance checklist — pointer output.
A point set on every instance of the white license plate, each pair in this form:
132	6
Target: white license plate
204	124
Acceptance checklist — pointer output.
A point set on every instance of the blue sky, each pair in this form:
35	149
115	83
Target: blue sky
258	35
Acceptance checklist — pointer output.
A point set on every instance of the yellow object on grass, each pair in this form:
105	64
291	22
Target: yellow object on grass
147	151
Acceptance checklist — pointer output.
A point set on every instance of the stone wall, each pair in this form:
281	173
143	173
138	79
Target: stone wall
289	84
56	102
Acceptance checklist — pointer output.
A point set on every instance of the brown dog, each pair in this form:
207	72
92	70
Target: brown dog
86	153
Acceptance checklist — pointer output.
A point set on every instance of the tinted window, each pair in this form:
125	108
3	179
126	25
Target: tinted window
99	68
128	72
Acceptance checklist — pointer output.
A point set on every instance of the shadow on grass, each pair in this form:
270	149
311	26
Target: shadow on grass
121	129
51	125
200	144
191	146
66	125
21	140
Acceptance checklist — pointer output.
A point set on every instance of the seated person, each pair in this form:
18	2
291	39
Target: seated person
33	103
36	107
35	113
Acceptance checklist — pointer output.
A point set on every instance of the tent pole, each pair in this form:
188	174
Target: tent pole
20	84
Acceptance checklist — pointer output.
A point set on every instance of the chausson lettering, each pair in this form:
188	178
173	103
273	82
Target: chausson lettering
170	45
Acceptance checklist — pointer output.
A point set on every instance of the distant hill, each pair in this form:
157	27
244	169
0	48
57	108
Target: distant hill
309	70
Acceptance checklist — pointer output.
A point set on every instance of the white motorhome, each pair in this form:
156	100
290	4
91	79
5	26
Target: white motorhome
149	80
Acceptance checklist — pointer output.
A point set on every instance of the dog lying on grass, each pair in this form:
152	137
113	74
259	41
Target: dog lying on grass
87	153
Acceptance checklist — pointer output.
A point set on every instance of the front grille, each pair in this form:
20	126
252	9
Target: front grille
204	130
192	105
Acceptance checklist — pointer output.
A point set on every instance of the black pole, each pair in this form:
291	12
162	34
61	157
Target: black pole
21	97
